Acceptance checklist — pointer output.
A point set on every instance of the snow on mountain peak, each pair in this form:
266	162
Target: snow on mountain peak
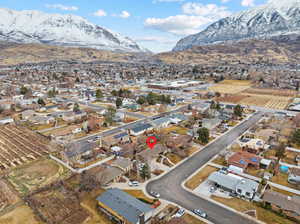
277	17
30	26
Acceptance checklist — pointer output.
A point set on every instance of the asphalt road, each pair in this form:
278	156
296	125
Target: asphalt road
169	185
83	140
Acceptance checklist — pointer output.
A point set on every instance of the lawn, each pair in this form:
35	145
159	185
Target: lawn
177	129
21	214
220	160
281	178
264	215
173	158
191	219
283	191
90	204
202	175
32	176
290	157
139	194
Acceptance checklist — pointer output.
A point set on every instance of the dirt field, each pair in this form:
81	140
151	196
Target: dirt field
19	145
20	215
273	92
231	86
270	101
37	174
58	206
7	196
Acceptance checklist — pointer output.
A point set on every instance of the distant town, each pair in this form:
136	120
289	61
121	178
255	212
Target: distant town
73	144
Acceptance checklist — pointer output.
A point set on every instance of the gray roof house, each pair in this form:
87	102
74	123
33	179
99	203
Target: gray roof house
211	123
242	186
162	122
128	208
140	129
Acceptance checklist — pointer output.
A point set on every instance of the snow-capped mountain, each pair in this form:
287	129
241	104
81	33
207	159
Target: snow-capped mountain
277	17
66	30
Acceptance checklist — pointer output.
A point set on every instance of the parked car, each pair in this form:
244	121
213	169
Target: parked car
155	194
200	213
133	183
179	213
212	189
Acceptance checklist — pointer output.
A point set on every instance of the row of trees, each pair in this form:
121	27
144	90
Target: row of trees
154	98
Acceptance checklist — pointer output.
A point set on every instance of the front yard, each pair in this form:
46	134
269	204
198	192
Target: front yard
201	176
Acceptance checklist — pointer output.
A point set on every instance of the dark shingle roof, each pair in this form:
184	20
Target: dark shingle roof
141	127
124	204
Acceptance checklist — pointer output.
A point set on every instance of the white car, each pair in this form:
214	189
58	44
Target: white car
179	213
133	183
155	194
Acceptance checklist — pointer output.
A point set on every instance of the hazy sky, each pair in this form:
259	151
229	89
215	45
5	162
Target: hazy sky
154	24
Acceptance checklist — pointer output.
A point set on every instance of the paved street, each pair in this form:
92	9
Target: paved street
169	185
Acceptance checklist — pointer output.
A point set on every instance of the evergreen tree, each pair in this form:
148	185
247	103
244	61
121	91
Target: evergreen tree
203	135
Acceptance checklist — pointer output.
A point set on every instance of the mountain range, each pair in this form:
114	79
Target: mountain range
30	26
276	18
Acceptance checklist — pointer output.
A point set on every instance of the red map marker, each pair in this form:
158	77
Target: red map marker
151	141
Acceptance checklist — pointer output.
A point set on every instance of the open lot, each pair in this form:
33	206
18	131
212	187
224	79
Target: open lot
58	206
32	176
19	145
21	214
231	86
7	196
261	213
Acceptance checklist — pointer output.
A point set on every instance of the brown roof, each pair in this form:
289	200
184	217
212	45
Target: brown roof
243	159
283	201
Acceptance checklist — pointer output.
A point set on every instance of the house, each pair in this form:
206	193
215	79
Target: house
75	152
211	123
254	144
119	117
202	108
41	119
266	134
289	205
243	187
124	208
6	120
122	163
294	176
177	118
140	129
27	114
244	160
162	122
117	138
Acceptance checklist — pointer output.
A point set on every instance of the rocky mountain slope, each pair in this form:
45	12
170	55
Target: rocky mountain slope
276	50
62	30
277	18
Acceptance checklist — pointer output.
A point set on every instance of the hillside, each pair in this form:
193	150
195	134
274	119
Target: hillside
12	54
279	50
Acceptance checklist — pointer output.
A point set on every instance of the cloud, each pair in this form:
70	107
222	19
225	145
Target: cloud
225	1
210	10
62	7
195	16
100	13
124	14
247	3
156	1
